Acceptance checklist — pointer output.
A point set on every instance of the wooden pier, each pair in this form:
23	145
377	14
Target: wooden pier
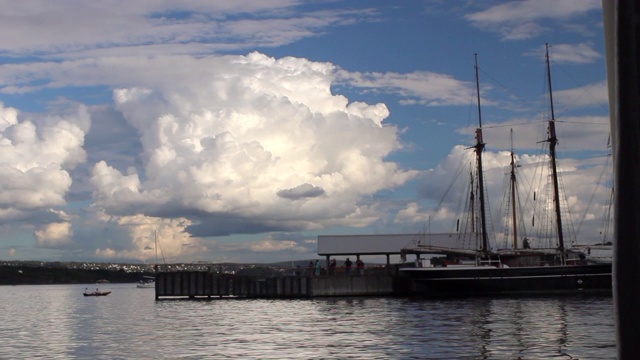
201	284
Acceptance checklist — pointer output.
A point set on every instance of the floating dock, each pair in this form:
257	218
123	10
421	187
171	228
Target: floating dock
201	284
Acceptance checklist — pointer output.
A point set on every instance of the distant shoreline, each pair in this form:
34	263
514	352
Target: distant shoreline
30	275
49	273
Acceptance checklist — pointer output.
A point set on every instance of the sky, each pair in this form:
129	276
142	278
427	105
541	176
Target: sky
240	131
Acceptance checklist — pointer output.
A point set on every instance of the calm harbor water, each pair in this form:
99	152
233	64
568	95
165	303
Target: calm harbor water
57	322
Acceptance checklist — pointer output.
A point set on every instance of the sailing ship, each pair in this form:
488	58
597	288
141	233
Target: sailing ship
149	282
482	271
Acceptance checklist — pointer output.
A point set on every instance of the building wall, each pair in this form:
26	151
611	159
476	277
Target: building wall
377	244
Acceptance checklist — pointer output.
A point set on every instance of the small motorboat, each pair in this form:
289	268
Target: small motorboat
149	282
96	293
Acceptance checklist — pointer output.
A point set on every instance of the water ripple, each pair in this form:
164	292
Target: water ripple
56	322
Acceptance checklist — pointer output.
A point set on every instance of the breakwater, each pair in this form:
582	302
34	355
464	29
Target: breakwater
198	284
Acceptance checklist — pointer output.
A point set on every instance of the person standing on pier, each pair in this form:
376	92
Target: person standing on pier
347	266
360	266
332	267
318	267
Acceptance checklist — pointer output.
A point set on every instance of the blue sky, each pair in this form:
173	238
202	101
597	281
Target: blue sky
240	131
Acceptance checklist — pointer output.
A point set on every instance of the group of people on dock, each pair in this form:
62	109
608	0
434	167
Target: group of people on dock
316	269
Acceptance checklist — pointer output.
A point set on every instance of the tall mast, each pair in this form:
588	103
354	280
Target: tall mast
155	239
513	195
553	141
479	149
472	204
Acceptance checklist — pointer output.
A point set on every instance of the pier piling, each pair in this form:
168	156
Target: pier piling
200	284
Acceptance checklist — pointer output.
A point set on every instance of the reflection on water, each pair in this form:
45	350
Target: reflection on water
57	322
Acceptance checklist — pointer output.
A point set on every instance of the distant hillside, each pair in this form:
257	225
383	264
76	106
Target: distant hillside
30	275
42	273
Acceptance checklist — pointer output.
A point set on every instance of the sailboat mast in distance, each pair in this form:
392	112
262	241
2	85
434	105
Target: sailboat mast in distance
513	196
479	149
155	239
553	141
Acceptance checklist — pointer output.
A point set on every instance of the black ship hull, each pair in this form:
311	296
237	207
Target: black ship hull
486	280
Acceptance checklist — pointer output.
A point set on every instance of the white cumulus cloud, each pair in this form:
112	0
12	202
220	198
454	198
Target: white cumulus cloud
254	137
54	235
36	156
517	20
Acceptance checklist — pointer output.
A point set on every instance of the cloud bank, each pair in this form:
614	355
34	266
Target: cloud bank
250	137
36	156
